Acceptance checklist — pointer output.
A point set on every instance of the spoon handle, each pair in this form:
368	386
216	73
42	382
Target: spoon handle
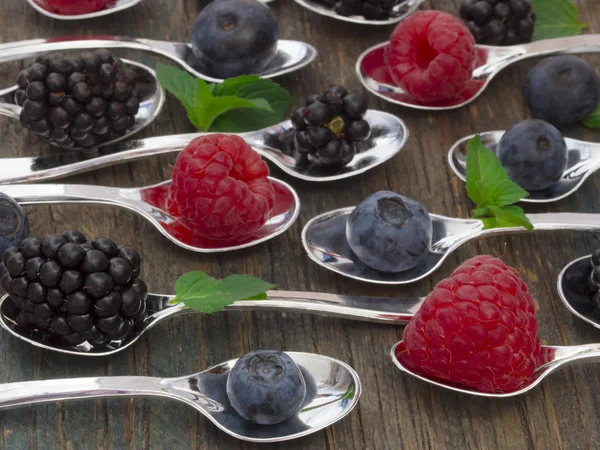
10	110
554	222
32	194
587	43
34	392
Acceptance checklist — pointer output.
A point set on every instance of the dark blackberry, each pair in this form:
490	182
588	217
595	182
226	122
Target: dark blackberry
499	22
328	128
74	289
74	94
369	9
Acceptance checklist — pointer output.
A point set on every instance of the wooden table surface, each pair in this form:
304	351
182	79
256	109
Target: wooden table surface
395	411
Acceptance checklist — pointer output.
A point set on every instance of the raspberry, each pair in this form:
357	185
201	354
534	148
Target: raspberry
477	328
220	189
74	7
431	56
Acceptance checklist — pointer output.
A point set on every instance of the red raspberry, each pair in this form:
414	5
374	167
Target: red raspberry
74	7
220	189
476	328
431	56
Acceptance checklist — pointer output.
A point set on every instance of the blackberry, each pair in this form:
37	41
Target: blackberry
369	9
92	98
499	22
75	290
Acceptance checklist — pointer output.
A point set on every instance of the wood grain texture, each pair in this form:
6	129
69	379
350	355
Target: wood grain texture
395	412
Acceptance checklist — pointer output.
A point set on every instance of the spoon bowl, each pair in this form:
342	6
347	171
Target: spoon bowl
333	390
399	13
372	71
583	161
149	202
291	55
552	358
324	240
388	136
151	103
119	5
572	286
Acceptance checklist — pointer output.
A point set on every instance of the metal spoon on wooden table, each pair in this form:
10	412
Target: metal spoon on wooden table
333	390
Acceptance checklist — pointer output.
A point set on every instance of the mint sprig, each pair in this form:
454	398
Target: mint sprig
238	104
593	121
556	18
492	191
208	295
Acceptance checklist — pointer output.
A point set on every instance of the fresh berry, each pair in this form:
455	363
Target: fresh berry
220	189
59	286
534	154
14	225
369	9
75	7
499	22
562	90
235	37
326	130
389	232
477	329
266	387
63	103
431	56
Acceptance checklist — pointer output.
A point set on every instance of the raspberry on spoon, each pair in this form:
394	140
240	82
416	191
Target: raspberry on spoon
431	56
75	7
477	329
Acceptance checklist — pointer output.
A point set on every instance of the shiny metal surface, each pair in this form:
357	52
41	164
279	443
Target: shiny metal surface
389	135
291	55
120	5
399	13
554	358
133	199
324	240
392	311
580	305
490	61
150	105
584	160
333	390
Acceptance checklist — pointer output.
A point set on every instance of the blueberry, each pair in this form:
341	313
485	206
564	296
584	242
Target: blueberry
266	387
562	90
534	154
14	226
235	37
389	232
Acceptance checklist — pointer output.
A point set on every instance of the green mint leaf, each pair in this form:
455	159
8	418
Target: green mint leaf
593	121
208	295
507	216
240	121
556	18
179	83
231	86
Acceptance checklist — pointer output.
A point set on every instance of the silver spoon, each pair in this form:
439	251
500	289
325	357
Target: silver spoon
490	60
399	13
148	202
324	240
554	357
584	160
333	390
120	5
291	55
388	136
393	311
571	285
150	105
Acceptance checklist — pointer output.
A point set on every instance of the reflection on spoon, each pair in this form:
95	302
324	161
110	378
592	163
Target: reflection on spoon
573	289
399	13
372	70
149	203
118	5
151	102
333	390
552	358
584	160
392	311
324	240
388	136
291	55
